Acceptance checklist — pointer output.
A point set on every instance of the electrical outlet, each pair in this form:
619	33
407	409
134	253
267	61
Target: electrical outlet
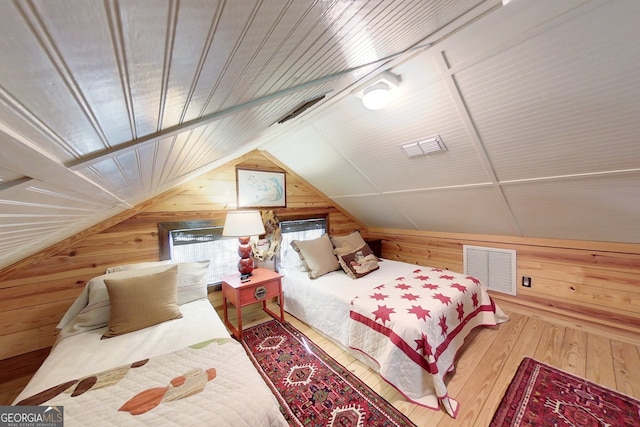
526	281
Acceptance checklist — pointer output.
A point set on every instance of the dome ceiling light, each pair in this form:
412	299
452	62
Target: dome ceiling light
377	93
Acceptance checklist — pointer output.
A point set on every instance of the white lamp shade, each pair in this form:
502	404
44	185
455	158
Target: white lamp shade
377	96
243	223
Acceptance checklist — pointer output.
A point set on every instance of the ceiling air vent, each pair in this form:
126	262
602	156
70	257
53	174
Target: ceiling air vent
301	109
423	146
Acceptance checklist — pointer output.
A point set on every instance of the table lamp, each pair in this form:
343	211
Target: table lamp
243	225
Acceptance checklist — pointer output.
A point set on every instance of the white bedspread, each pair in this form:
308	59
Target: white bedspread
237	385
347	311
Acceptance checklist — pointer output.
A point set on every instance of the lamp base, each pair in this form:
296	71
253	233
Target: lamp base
245	265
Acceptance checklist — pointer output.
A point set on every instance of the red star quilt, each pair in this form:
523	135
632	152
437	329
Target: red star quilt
414	326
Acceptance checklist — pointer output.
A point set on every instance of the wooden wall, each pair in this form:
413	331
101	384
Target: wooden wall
594	281
587	280
36	292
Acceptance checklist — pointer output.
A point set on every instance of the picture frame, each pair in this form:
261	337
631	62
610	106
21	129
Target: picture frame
260	189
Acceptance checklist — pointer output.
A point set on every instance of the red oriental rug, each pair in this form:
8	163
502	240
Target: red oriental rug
541	395
312	388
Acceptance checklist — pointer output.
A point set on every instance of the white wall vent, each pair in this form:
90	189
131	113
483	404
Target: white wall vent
495	268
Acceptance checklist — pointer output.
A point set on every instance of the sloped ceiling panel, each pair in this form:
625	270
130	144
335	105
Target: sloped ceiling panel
422	108
375	209
309	154
601	208
467	210
546	108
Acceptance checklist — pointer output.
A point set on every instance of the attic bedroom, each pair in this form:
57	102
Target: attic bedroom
506	154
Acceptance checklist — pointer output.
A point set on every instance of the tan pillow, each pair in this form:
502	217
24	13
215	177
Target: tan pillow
317	255
357	262
143	301
350	241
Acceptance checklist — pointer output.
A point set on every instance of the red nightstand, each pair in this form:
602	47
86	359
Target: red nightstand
264	284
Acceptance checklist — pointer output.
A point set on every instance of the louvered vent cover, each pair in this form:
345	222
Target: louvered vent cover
495	268
423	146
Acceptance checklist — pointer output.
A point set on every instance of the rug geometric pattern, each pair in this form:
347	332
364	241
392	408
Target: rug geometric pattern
312	388
541	395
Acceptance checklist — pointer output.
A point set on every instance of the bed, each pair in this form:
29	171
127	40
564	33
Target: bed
109	367
406	322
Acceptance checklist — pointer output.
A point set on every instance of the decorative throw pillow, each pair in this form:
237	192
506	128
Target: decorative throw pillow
357	262
317	255
143	301
350	241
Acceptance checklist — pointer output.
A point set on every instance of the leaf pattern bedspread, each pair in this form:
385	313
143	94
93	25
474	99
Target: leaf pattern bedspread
210	383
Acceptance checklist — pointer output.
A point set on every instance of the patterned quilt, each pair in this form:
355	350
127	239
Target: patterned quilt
414	326
210	383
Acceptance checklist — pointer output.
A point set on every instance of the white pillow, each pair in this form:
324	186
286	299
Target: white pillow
291	259
91	309
137	266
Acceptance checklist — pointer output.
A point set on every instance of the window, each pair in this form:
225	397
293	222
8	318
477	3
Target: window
203	240
203	244
198	241
302	229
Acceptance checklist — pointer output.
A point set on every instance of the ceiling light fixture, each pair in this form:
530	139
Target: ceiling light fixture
376	93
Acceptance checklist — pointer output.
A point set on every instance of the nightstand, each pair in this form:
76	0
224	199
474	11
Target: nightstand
263	285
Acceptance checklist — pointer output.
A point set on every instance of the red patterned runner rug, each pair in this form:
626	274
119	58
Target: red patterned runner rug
541	395
314	389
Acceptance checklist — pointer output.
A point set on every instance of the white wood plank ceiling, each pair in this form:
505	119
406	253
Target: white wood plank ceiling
104	104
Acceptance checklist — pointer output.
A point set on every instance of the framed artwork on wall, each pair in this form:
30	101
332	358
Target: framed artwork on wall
260	189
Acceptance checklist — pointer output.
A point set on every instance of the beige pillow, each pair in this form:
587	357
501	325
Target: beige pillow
317	255
350	241
143	301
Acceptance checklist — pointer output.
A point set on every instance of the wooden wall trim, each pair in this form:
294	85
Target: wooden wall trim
633	248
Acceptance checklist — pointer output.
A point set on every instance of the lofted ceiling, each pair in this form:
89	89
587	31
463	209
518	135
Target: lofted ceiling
105	104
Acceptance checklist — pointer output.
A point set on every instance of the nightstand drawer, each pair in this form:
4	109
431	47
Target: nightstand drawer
264	290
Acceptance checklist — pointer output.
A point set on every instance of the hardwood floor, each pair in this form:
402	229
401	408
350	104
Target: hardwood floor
490	357
486	363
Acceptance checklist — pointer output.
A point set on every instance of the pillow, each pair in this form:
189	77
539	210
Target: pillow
142	301
357	262
350	241
137	265
317	255
192	276
91	308
290	259
192	281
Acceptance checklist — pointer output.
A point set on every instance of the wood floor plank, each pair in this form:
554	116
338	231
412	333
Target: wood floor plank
573	354
626	361
599	366
530	330
550	346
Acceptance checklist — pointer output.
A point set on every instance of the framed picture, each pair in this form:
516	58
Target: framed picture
261	189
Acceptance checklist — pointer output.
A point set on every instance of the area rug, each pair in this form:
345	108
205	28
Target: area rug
312	388
541	395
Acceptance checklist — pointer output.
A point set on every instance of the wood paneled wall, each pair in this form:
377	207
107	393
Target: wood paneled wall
588	280
594	281
36	292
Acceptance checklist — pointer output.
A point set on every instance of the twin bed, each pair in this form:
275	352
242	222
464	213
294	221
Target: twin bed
183	371
139	355
406	322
